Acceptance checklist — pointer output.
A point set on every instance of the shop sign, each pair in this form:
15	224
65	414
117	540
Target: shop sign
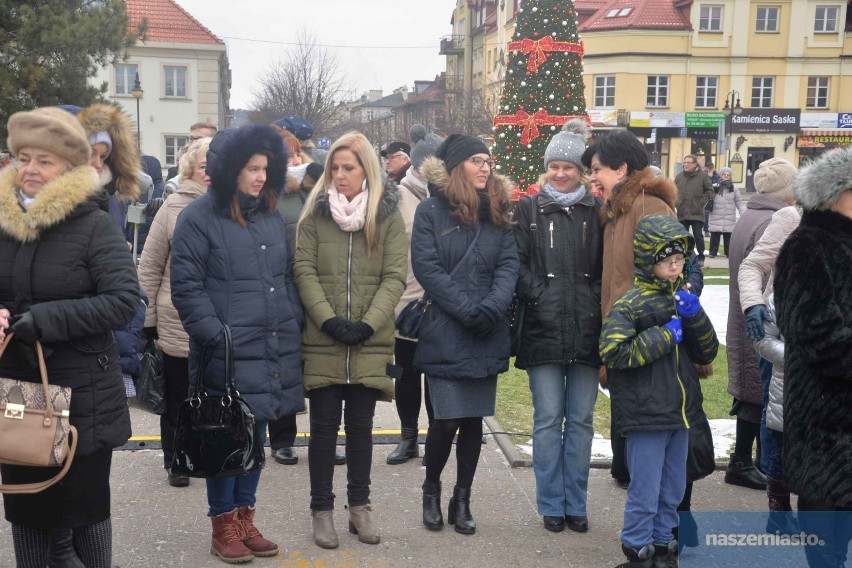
642	119
844	120
830	141
704	119
767	120
818	120
605	117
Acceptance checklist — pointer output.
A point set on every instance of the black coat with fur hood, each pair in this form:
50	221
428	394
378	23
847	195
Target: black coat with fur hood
223	273
64	260
447	348
813	302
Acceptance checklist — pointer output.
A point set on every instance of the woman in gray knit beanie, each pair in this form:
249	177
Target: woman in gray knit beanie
559	239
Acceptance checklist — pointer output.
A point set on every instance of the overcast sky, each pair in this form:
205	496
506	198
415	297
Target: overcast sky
381	44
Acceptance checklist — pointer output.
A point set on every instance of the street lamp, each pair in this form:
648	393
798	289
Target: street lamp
137	93
736	109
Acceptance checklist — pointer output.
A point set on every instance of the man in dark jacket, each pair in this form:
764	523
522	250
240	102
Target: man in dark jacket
397	161
694	190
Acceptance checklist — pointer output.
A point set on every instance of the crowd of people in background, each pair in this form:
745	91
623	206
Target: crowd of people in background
302	260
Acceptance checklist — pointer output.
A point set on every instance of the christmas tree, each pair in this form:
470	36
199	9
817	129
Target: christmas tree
543	89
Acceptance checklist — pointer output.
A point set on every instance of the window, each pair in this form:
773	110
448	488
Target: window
826	19
705	92
710	19
175	81
173	146
817	92
658	91
767	19
125	78
761	91
605	91
618	12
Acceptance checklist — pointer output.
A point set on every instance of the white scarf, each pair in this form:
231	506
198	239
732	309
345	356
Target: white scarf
25	199
350	216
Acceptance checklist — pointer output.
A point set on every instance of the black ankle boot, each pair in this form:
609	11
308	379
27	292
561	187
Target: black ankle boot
665	555
459	511
61	553
642	558
741	471
406	449
432	518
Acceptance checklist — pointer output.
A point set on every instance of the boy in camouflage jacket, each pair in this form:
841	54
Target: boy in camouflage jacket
650	339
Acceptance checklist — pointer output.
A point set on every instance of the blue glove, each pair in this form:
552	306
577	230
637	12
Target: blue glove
676	330
687	304
755	316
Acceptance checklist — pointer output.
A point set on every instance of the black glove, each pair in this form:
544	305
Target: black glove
362	331
755	316
153	206
24	327
482	324
339	329
151	332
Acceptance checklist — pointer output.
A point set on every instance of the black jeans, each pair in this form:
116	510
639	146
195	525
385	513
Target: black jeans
176	379
697	228
282	432
439	444
714	243
408	388
325	411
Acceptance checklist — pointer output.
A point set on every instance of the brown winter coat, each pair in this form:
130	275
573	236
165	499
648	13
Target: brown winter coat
155	271
641	194
742	358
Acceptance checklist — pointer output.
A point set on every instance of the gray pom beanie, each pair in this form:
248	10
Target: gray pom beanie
569	144
423	144
820	184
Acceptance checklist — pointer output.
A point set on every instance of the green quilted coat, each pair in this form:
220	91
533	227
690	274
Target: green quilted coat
336	278
652	381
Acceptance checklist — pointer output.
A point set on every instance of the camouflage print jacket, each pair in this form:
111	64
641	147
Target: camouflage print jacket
652	381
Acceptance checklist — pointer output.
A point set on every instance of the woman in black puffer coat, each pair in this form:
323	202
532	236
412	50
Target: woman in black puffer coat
67	279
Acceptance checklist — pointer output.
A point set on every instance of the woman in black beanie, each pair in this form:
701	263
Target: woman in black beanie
464	255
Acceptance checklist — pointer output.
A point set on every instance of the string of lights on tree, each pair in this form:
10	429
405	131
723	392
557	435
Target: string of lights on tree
543	89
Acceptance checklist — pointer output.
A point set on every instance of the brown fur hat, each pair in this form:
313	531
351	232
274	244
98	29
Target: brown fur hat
50	129
124	161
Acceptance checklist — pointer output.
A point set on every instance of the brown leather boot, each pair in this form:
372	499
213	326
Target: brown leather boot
360	524
253	540
227	541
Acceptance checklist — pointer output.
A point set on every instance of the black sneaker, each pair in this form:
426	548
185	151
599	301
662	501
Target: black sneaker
285	456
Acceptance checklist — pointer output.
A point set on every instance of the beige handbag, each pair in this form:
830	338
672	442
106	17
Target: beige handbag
34	425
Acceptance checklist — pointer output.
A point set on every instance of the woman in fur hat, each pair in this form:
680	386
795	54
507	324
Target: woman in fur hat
231	267
813	301
350	267
560	246
73	282
464	255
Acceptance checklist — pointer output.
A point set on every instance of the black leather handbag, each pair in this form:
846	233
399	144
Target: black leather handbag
217	436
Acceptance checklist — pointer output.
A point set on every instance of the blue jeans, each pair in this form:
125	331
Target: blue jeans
657	462
563	405
224	494
771	441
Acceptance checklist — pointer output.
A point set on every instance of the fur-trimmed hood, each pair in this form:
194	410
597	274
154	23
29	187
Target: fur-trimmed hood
54	203
820	184
637	183
436	176
124	161
231	150
388	204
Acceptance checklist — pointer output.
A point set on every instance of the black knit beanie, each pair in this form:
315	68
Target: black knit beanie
672	248
459	147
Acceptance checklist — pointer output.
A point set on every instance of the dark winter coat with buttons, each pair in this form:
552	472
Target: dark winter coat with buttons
225	274
66	262
447	348
559	281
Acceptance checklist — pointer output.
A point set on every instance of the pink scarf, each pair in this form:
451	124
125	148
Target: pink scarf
350	216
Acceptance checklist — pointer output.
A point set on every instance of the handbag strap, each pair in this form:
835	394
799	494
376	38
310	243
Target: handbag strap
22	488
230	387
42	367
534	250
468	251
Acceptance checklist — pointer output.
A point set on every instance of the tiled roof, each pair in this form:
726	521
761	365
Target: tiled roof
168	22
637	14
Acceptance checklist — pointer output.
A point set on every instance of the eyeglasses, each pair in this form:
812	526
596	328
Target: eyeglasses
395	156
479	162
672	262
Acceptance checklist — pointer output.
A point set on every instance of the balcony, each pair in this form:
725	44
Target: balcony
453	83
452	45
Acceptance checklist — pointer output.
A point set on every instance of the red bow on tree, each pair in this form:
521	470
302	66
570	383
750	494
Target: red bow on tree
538	50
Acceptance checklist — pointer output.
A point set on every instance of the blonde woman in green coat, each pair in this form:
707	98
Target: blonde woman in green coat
350	267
